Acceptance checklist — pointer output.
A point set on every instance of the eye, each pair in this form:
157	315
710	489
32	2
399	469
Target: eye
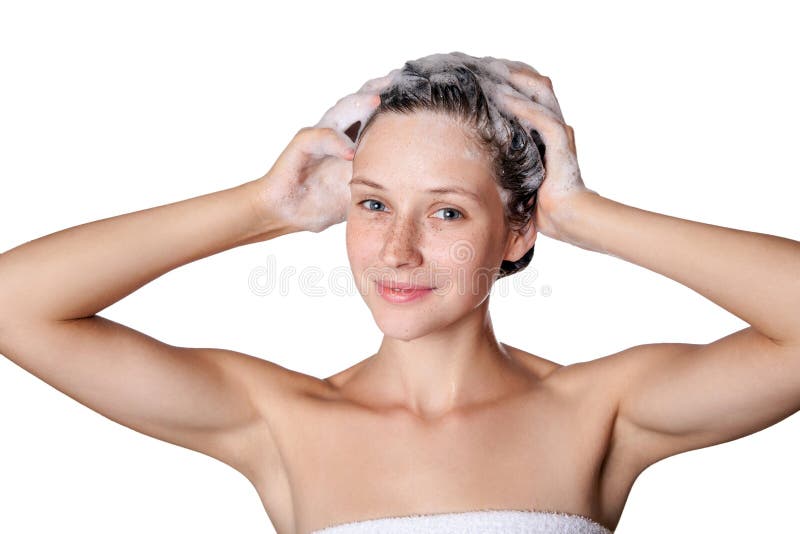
452	210
372	202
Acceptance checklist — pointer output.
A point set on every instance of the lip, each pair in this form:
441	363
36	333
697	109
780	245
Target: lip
409	292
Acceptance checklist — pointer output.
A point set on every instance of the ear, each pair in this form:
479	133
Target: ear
520	242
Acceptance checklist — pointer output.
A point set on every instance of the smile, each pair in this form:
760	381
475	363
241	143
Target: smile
402	296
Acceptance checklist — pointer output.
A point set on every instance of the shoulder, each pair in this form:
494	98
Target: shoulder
592	390
275	391
608	374
600	375
540	367
270	385
602	384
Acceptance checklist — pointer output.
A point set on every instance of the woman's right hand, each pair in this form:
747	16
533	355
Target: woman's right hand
306	188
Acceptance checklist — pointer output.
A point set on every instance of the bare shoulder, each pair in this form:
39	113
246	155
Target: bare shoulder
605	380
605	374
539	366
266	380
594	391
274	388
274	391
585	377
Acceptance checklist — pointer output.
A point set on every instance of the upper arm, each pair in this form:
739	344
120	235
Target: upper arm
676	397
204	399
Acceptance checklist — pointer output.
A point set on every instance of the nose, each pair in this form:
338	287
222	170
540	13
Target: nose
401	244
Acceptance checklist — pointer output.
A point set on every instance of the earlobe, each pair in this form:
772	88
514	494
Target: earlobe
520	242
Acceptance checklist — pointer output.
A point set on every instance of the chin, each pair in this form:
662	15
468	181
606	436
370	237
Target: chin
404	322
406	329
408	322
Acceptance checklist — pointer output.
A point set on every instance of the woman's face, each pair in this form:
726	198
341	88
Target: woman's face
398	231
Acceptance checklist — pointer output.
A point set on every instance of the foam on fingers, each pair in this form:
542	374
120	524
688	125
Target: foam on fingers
348	110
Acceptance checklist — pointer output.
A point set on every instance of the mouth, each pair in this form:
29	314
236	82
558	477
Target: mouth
398	293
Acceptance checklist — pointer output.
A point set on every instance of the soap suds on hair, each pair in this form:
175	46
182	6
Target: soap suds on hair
493	77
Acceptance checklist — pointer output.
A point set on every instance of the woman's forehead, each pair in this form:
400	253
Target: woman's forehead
421	145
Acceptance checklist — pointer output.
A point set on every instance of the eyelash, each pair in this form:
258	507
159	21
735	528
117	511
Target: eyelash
460	215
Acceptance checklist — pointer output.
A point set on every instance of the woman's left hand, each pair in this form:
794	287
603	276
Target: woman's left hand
531	100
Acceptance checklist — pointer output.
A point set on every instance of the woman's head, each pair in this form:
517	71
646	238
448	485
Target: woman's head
463	88
438	127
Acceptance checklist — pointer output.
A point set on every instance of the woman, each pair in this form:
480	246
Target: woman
445	191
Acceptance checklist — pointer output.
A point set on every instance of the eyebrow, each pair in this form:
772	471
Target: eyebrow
449	189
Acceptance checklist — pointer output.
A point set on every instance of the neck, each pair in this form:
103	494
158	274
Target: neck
437	373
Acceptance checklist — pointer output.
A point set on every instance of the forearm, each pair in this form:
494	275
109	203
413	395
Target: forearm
752	275
81	270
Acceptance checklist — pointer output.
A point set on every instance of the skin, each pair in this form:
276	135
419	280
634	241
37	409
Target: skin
438	353
490	427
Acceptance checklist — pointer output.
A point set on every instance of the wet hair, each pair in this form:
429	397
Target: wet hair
463	88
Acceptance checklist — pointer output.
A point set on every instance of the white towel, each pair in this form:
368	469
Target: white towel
477	522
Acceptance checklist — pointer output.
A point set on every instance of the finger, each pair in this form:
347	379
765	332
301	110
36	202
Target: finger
519	65
326	142
538	88
532	84
537	117
498	67
349	110
376	85
571	135
506	91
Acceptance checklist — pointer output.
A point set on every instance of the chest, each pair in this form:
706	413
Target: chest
342	462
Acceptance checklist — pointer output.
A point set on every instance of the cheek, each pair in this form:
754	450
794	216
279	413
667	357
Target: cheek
469	246
466	262
363	241
445	249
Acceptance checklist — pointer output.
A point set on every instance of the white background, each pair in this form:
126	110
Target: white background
111	107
